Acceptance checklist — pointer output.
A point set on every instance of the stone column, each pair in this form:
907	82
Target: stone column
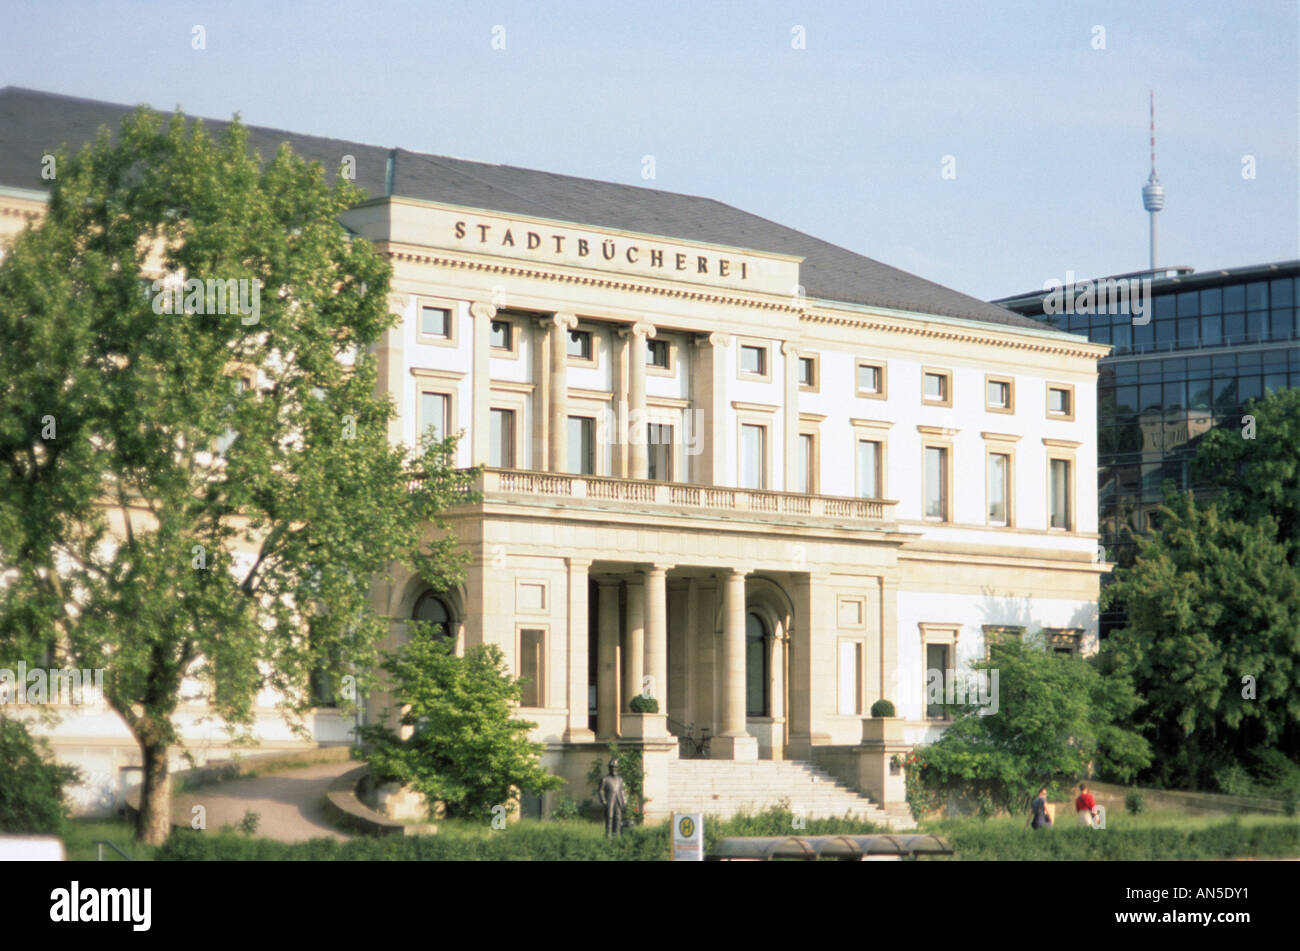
656	640
708	384
638	454
607	659
790	421
559	391
691	678
633	643
541	356
577	730
389	357
734	741
481	382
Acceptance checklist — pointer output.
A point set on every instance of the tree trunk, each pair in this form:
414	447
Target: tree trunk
155	796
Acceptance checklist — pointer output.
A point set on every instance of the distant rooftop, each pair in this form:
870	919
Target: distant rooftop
33	123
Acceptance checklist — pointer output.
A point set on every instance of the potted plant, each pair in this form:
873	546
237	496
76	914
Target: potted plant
883	726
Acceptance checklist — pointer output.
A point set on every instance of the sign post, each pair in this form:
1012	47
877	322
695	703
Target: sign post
688	837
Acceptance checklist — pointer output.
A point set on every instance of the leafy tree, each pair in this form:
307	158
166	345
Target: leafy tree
1056	717
1210	601
31	784
1259	477
465	748
133	464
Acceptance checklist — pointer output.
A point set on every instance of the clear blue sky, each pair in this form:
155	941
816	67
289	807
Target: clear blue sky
843	139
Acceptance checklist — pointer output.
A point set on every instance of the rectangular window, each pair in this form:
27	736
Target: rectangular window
869	379
582	445
656	354
579	344
659	451
937	387
753	457
807	372
1060	401
435	414
850	692
807	462
502	337
502	453
532	664
999	469
435	322
868	469
1060	493
997	395
937	667
753	360
936	482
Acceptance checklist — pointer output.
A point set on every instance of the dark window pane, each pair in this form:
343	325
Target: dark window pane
1234	297
1189	332
1126	372
1126	398
1175	396
1280	325
1100	334
1274	382
1225	395
1274	358
1198	367
1225	364
1257	326
1121	336
1212	301
1202	396
1280	292
1150	397
1174	368
1248	360
1257	295
1166	306
1249	388
1234	328
1166	331
1211	330
1149	370
1189	304
1143	335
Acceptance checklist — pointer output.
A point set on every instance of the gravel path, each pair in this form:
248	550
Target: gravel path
289	803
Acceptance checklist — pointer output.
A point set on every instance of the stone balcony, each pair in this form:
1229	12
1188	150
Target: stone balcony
517	484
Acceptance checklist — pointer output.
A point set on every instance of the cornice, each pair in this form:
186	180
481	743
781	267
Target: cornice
944	333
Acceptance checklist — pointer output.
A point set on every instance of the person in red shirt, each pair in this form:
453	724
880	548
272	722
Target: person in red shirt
1085	807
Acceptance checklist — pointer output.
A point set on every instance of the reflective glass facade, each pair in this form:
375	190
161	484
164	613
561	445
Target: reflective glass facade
1214	342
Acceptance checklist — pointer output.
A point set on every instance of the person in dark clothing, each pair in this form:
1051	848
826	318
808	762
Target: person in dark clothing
1038	817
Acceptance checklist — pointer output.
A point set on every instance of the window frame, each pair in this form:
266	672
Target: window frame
815	363
514	435
878	440
939	634
882	369
595	453
516	333
573	360
449	411
860	657
765	347
1068	389
452	309
999	444
670	356
765	464
1071	490
542	662
946	445
1010	382
947	375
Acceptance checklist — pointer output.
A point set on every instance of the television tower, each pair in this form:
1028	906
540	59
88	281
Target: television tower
1153	193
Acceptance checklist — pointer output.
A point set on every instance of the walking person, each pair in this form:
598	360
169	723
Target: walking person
1085	807
1038	815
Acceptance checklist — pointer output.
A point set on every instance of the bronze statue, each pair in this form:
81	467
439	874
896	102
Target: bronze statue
614	799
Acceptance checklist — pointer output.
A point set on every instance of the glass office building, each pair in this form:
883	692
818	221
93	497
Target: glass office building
1215	340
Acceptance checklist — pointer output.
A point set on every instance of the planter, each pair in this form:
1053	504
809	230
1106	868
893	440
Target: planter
644	726
888	730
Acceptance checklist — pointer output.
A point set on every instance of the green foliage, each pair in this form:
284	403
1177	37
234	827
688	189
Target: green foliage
466	749
1134	803
248	824
148	414
631	767
1210	602
566	808
1256	479
31	783
882	708
643	704
1056	716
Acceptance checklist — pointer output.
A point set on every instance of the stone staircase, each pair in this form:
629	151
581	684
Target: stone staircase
725	787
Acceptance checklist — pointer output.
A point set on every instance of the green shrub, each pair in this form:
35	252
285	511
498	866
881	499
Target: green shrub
1234	780
1291	802
248	824
643	704
31	783
1231	839
882	708
1134	804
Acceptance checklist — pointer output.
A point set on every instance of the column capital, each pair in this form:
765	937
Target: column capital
713	339
657	569
562	320
482	310
790	347
397	303
579	564
641	328
725	573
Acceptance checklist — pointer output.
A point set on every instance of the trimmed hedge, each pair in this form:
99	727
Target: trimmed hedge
1226	840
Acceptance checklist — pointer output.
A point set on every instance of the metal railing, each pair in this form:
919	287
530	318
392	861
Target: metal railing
100	843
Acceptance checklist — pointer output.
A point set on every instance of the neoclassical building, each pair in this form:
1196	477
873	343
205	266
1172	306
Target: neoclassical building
755	476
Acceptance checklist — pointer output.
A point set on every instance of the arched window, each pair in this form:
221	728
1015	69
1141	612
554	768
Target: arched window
756	664
429	607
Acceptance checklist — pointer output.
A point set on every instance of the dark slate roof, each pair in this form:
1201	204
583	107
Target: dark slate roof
33	123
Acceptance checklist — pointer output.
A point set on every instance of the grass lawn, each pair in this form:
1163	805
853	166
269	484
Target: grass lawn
79	840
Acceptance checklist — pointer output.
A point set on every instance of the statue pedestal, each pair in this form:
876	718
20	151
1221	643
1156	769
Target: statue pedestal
733	747
882	739
645	726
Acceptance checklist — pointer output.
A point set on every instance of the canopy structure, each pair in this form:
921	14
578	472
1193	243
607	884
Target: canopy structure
844	848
